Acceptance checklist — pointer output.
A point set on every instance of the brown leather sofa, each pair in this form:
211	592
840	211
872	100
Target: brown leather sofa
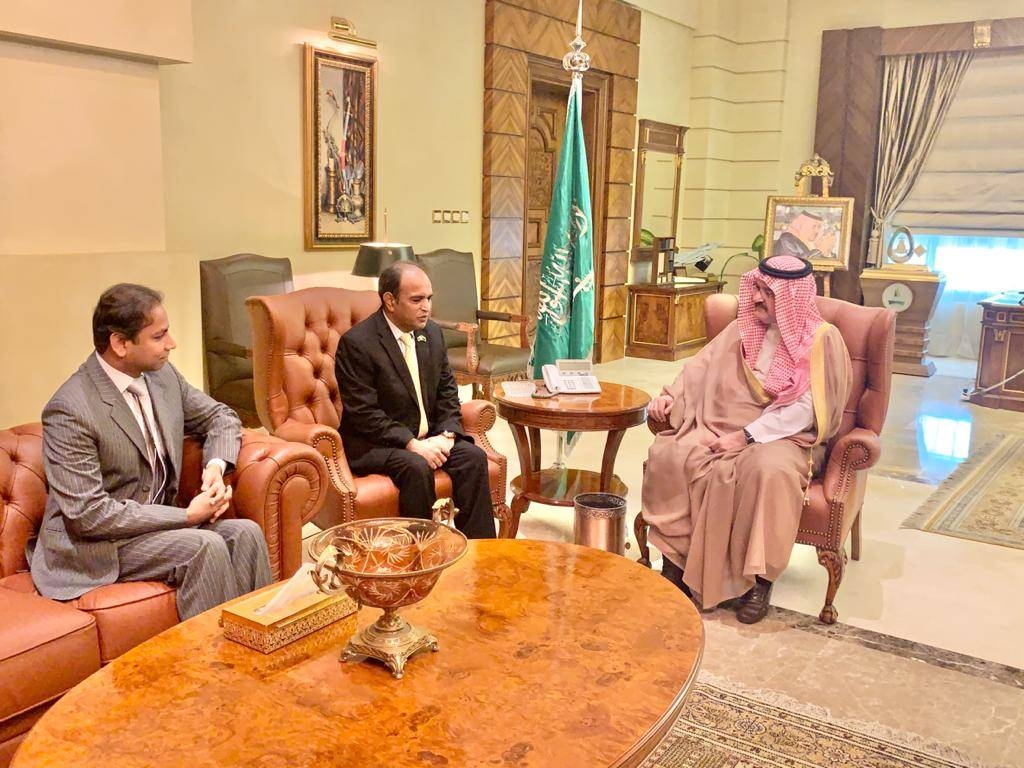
46	647
836	493
295	337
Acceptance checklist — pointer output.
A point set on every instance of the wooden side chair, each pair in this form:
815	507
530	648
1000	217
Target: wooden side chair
836	494
456	310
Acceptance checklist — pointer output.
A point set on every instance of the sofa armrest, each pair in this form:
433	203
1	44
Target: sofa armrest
478	416
855	451
281	485
328	444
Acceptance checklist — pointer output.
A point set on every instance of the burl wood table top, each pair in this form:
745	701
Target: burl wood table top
551	655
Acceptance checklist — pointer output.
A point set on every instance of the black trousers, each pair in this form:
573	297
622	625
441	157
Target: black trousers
467	467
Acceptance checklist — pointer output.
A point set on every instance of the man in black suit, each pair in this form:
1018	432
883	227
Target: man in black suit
406	426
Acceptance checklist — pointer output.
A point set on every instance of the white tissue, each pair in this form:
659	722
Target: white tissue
298	586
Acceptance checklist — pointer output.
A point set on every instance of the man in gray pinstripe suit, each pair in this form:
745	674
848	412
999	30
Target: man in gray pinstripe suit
112	443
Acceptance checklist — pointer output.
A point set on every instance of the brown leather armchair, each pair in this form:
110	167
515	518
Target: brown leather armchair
836	494
46	646
224	285
295	338
475	362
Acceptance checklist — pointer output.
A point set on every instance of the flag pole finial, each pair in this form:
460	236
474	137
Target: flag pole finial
576	61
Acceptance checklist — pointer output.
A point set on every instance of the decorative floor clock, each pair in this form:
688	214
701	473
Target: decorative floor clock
906	285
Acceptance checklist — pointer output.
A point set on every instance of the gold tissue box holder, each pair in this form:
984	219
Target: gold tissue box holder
266	632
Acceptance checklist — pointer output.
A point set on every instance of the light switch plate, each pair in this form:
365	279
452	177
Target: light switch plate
436	216
446	217
465	217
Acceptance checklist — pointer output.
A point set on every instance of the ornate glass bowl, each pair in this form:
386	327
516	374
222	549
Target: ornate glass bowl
386	563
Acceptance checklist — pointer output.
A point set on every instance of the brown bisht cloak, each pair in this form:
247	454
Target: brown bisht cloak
728	517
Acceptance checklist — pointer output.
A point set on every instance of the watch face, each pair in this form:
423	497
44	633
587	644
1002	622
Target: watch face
897	297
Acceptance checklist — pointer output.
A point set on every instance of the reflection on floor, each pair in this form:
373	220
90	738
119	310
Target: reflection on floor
951	593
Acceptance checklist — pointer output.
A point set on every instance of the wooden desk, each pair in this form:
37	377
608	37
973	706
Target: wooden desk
666	320
617	408
1002	352
551	655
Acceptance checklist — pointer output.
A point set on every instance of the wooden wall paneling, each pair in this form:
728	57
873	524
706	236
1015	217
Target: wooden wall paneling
846	133
613	338
505	69
616	266
624	90
498	332
617	235
505	155
620	166
614	303
605	16
503	238
958	36
516	30
543	35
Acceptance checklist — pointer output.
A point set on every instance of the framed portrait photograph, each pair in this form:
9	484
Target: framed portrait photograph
814	228
340	144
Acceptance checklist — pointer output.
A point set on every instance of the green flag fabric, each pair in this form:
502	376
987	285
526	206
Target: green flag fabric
565	315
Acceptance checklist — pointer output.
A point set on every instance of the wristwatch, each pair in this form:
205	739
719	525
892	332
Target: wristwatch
448	435
750	437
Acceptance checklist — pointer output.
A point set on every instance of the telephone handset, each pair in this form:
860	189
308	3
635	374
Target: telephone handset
571	377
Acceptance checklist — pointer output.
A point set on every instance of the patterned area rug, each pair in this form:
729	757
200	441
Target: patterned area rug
982	500
721	729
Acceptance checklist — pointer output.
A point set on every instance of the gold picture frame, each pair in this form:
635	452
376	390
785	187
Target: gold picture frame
815	228
339	148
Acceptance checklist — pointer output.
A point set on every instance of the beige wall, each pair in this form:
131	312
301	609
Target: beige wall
232	127
81	186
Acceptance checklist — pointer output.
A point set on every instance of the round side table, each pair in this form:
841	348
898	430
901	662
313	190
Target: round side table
617	408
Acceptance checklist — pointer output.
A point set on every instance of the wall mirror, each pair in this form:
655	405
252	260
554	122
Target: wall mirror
659	165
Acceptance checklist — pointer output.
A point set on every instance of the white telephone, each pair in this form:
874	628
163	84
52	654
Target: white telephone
572	377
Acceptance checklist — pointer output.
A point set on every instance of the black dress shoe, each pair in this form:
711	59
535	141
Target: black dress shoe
674	573
754	605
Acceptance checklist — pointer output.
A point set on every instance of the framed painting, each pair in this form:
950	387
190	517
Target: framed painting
340	144
814	228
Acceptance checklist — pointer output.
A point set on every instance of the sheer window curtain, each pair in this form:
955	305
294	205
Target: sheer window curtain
975	269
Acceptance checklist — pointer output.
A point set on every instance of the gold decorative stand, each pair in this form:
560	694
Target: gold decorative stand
391	640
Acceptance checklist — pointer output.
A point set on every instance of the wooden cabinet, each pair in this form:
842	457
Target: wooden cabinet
1002	352
666	321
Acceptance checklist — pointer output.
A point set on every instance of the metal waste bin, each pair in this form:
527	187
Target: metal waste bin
600	522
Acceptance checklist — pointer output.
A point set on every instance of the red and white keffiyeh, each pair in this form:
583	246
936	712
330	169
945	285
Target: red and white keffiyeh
796	313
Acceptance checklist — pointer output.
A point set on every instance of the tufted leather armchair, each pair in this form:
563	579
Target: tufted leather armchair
836	493
295	338
46	646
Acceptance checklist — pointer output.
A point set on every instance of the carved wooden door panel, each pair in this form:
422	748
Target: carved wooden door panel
547	123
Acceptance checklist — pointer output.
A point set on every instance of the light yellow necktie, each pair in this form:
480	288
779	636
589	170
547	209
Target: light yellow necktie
414	370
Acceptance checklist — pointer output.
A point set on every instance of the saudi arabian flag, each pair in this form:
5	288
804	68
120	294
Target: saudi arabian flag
565	320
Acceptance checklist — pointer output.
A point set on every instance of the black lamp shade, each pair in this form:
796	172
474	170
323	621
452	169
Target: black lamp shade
374	258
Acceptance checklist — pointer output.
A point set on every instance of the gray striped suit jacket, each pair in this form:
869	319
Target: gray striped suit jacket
94	454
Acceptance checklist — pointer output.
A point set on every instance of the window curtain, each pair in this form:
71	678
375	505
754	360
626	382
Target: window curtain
917	91
975	269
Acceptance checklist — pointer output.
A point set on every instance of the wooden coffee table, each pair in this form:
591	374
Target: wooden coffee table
551	655
617	408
